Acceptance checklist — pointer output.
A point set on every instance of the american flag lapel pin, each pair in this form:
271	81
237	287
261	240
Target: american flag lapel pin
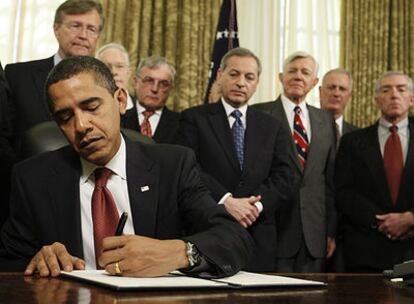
144	188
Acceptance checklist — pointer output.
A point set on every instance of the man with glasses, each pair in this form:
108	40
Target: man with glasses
116	58
153	83
77	26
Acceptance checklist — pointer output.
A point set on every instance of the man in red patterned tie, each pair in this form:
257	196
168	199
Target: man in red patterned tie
65	204
153	83
374	181
306	230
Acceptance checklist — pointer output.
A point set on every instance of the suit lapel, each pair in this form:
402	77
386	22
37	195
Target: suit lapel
408	172
317	136
39	79
65	201
279	112
220	126
370	150
142	177
165	125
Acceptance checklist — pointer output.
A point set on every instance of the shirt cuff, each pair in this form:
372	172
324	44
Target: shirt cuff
223	199
258	205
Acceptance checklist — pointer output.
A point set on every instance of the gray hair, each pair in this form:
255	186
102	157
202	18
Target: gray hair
338	71
239	52
298	55
394	73
155	62
113	45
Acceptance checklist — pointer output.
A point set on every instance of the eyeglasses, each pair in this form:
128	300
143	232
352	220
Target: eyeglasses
149	81
76	28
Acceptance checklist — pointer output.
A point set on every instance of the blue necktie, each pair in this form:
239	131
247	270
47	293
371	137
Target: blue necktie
238	136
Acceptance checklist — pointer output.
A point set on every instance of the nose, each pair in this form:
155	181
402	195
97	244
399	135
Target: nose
82	123
83	33
241	81
155	86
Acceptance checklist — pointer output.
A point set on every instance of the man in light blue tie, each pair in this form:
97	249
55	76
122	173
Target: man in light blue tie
242	153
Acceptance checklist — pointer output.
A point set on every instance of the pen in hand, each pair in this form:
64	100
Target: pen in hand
121	224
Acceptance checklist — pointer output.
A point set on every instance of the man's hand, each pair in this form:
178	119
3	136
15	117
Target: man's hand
396	226
50	260
243	209
139	256
330	247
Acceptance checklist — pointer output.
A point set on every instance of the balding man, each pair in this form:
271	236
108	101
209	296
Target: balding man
306	230
335	92
116	58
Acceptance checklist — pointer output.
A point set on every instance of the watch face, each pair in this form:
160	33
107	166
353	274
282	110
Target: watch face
193	255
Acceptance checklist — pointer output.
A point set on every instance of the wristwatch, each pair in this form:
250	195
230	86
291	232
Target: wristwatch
193	255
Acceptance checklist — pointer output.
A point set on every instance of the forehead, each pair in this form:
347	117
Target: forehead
113	55
337	78
162	72
91	18
68	93
243	64
302	63
394	80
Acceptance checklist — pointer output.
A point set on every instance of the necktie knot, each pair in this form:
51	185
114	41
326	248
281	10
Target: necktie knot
393	129
147	114
236	114
101	176
297	110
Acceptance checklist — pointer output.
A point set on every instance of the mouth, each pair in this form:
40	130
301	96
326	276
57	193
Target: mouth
238	93
89	143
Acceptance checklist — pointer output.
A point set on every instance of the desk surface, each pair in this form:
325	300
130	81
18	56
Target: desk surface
342	288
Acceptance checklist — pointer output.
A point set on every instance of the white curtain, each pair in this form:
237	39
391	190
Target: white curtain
26	31
273	29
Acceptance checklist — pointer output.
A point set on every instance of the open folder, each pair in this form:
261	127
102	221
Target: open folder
177	280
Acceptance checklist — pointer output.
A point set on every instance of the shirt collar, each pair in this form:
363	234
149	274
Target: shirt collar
229	109
339	121
56	59
117	164
141	109
289	105
384	124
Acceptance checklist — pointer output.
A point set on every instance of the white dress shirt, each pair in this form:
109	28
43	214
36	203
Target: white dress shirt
403	133
153	120
289	107
117	185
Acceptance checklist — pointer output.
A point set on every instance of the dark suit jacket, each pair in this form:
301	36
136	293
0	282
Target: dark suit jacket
265	171
167	127
7	155
362	192
26	81
348	127
312	215
45	205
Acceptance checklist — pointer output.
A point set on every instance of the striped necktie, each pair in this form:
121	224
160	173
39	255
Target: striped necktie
300	137
238	136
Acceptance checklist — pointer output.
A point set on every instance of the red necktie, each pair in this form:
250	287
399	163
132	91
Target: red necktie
393	162
105	215
146	126
300	137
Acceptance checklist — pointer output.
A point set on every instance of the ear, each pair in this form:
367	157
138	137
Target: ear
121	96
55	29
281	77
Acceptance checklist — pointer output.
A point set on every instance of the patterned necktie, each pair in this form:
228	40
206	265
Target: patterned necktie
238	136
338	134
146	126
393	162
300	137
104	212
